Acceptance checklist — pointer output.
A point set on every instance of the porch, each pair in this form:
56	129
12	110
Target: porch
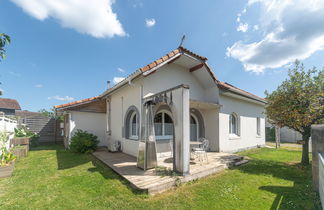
162	178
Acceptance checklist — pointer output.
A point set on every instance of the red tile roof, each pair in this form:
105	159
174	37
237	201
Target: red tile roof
76	102
227	86
7	103
168	56
173	54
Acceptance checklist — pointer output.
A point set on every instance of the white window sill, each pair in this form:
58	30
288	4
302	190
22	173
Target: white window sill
258	136
134	138
234	137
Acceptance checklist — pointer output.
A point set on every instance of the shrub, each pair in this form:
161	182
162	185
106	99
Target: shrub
34	140
34	137
83	142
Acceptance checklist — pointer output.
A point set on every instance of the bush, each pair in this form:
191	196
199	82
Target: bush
34	137
270	134
34	140
83	142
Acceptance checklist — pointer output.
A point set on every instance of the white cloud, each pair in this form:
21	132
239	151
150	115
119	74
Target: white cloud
120	70
61	98
243	27
255	27
94	17
287	36
118	79
150	22
39	86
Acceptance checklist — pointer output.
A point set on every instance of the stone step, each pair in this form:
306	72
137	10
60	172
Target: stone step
241	162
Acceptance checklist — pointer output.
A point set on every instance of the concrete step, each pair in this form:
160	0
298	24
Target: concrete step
241	162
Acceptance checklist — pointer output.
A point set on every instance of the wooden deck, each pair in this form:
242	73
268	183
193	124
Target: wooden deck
154	181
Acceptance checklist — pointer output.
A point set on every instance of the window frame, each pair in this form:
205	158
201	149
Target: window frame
163	136
258	126
234	133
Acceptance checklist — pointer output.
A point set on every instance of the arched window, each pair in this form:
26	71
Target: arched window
234	124
163	125
194	128
131	126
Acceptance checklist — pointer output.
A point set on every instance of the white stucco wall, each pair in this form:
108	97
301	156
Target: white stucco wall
248	112
94	123
166	77
172	75
120	101
216	121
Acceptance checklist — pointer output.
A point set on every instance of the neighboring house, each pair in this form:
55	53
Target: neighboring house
9	106
287	135
189	103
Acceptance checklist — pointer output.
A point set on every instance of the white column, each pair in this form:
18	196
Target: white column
181	115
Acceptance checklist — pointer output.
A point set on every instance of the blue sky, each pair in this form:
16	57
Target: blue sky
67	50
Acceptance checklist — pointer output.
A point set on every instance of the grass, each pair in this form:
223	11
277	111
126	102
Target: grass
52	178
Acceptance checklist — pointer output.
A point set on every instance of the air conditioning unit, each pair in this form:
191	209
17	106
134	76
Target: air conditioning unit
114	146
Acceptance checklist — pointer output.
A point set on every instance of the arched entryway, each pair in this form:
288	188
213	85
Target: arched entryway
164	135
197	128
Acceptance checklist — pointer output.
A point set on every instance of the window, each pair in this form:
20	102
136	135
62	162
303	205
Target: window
163	126
258	126
234	124
193	128
133	126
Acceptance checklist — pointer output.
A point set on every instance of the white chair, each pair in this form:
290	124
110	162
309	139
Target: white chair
201	152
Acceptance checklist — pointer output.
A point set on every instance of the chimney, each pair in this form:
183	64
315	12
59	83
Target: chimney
108	84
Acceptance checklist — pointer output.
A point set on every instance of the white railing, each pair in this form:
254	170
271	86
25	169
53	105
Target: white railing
321	176
8	125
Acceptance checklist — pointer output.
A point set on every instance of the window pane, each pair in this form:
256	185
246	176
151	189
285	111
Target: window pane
158	118
167	118
168	125
134	131
158	129
158	124
134	119
192	120
193	132
258	126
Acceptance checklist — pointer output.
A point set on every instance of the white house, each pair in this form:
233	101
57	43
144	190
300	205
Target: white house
188	102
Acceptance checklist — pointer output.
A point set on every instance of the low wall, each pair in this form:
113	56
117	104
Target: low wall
317	159
321	176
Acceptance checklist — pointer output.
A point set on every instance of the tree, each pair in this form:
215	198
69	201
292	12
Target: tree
4	40
298	103
47	113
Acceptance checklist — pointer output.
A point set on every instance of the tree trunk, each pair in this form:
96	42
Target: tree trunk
305	155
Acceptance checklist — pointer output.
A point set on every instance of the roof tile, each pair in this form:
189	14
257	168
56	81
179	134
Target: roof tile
76	102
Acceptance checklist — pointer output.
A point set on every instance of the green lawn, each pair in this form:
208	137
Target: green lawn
52	178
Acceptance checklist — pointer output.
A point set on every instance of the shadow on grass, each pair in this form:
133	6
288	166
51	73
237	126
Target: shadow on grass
299	196
67	159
